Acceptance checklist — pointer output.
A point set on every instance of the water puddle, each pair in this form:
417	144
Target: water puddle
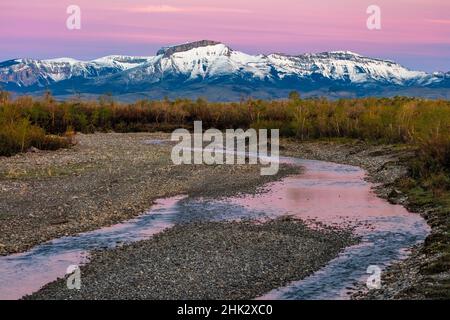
325	192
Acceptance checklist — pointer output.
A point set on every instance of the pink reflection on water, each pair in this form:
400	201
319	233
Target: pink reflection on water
325	195
19	278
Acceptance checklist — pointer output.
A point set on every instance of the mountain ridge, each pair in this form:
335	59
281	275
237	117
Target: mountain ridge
190	69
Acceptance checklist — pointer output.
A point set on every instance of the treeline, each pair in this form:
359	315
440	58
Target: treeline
26	122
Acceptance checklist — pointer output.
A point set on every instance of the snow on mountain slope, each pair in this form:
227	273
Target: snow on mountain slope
200	61
29	72
206	61
343	65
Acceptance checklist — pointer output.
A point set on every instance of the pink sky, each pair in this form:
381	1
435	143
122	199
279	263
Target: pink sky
415	33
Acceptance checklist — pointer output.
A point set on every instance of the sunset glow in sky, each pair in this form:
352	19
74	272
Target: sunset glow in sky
415	33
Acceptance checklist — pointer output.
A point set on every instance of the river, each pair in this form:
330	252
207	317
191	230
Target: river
325	192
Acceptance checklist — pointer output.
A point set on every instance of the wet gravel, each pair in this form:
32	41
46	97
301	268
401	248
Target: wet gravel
213	260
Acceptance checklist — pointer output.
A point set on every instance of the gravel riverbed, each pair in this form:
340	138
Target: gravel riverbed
104	179
109	178
213	260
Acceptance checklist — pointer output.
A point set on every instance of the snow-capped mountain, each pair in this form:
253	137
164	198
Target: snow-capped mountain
31	72
212	69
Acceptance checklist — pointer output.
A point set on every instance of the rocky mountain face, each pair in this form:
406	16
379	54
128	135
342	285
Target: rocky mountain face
213	70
